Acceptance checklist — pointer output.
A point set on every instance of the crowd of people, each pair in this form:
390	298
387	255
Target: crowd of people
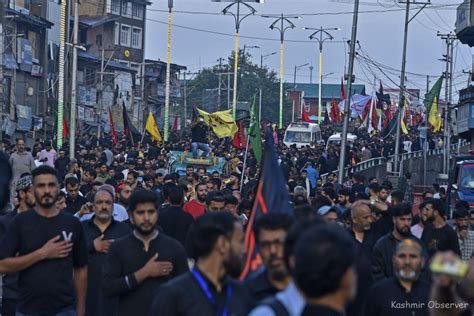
115	231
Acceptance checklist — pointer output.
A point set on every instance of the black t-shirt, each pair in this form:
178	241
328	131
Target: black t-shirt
440	239
199	133
47	286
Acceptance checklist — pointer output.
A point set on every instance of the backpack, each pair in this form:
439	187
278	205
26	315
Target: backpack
277	306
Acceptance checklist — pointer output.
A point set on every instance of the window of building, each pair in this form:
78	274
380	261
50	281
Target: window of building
98	40
34	41
137	37
89	76
126	8
137	11
125	32
117	33
115	6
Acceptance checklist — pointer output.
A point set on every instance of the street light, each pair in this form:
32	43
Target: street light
249	47
294	89
168	73
238	20
262	57
281	19
322	32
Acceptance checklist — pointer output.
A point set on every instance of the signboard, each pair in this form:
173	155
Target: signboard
463	118
463	20
123	89
87	96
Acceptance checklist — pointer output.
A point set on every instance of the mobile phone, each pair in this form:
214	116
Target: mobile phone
456	269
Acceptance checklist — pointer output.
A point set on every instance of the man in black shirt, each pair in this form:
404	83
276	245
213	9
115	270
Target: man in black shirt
270	232
100	232
404	294
217	244
54	286
199	138
382	263
174	221
74	201
140	262
26	200
324	271
437	235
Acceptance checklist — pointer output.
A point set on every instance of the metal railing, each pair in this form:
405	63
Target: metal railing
374	162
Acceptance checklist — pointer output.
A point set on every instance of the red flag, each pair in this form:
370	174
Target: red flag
375	115
175	124
112	128
239	140
304	114
366	111
388	116
335	113
65	128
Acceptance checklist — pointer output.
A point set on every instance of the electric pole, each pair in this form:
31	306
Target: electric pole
72	123
401	99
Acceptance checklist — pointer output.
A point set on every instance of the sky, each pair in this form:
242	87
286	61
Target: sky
380	37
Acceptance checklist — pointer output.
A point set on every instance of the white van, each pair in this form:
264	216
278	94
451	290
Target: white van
335	140
302	134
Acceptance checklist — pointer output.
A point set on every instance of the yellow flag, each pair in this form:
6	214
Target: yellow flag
222	123
152	128
434	118
403	125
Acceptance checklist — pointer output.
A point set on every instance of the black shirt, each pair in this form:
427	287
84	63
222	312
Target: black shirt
260	287
96	302
199	133
184	296
125	257
47	286
440	239
389	298
175	223
319	310
85	188
74	206
10	280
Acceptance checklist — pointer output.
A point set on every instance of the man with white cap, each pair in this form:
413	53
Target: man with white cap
119	212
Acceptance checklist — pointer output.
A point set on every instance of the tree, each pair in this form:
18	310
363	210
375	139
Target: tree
251	79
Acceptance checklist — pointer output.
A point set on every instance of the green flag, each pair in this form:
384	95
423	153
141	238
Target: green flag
433	95
254	131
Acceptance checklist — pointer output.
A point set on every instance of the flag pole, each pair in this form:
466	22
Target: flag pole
245	163
143	136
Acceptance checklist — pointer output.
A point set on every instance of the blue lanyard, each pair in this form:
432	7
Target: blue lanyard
210	297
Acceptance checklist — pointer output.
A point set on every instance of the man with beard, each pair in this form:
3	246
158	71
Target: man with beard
384	248
437	235
465	236
48	155
61	163
197	207
383	194
270	233
217	243
100	232
234	182
73	200
142	261
405	294
47	287
26	201
124	191
87	180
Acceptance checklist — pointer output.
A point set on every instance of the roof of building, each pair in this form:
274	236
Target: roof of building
329	90
163	64
30	19
94	21
111	64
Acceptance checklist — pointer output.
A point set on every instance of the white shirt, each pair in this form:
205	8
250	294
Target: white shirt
290	297
119	214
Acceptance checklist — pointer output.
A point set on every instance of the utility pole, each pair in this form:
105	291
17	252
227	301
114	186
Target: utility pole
449	39
322	32
168	73
72	123
2	100
101	94
185	98
282	28
401	102
311	74
260	105
238	21
347	105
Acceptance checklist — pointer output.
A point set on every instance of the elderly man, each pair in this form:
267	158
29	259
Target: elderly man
21	162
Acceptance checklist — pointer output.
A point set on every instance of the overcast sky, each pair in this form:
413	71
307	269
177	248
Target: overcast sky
380	35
